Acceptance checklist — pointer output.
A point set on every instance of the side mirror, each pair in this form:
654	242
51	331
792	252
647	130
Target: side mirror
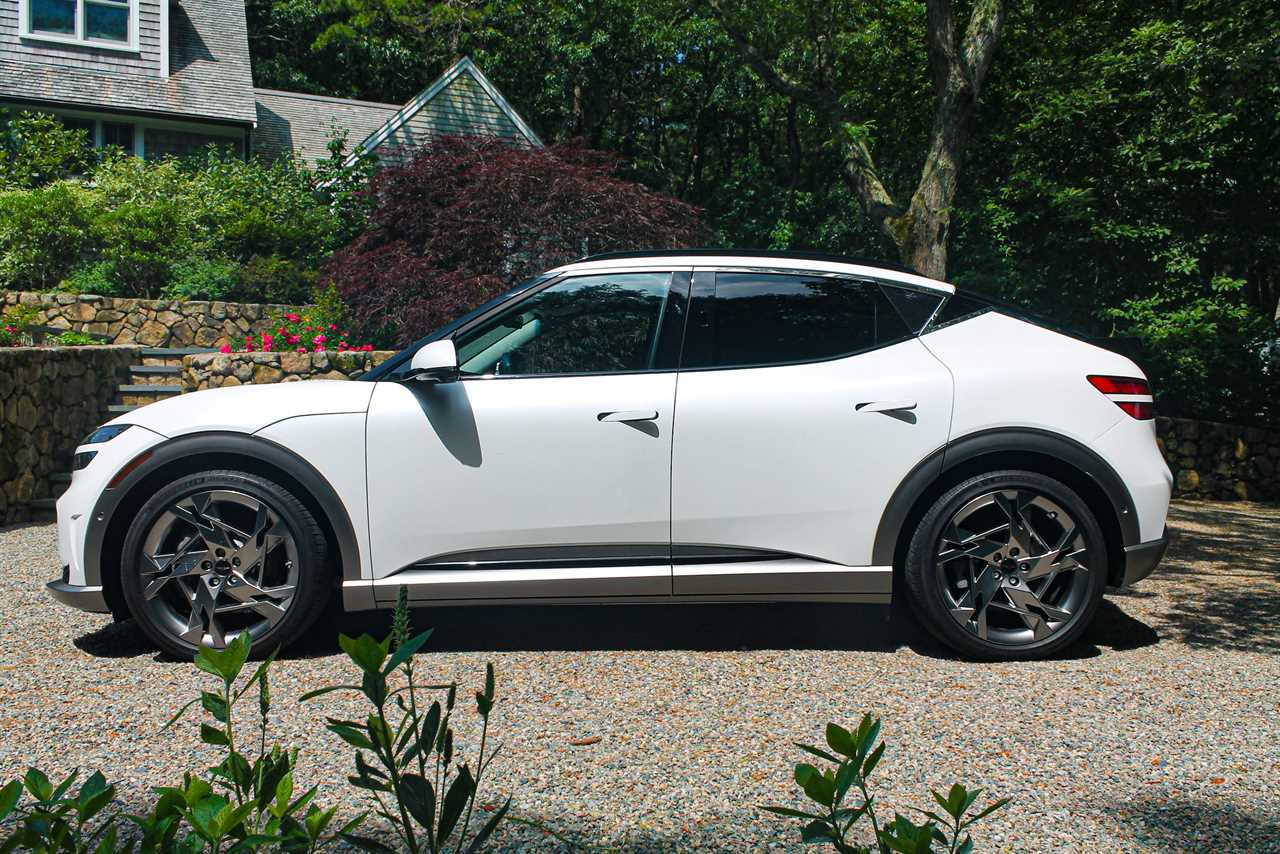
436	362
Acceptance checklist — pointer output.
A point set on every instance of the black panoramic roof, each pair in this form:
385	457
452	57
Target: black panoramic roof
751	253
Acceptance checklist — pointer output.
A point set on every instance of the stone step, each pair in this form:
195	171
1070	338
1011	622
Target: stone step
170	356
154	374
150	389
120	408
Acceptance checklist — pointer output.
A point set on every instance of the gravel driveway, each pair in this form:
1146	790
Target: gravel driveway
1158	733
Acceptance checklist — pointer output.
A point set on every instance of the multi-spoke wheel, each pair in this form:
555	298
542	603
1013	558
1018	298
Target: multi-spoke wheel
219	554
1010	565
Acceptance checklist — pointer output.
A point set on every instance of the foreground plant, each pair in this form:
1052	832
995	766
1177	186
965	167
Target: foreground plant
246	803
406	753
55	820
856	755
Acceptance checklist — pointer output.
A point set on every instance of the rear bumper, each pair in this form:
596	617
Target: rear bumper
1142	559
86	598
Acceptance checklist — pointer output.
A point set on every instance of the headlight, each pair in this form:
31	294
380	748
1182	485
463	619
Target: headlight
105	434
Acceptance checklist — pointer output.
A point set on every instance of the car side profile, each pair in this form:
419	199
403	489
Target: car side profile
696	426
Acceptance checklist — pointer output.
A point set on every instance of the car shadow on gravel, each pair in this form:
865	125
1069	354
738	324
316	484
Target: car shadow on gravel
1187	824
598	627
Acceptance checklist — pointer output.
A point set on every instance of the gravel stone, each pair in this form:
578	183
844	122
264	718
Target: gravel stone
659	728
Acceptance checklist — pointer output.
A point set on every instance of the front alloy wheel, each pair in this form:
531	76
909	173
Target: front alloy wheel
1007	565
221	554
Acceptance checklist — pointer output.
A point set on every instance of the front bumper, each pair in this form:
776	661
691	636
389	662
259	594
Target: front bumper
1142	559
80	596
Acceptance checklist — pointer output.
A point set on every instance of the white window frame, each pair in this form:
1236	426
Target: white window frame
78	38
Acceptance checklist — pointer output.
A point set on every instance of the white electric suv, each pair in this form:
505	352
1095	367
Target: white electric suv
646	427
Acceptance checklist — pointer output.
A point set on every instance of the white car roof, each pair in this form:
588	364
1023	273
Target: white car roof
695	261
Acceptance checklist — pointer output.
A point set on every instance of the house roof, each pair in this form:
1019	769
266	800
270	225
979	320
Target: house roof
303	124
405	116
210	76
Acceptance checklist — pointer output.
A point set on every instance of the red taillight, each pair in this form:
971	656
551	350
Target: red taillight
1143	410
1119	385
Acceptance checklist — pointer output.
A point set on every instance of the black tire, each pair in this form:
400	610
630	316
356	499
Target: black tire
941	589
194	512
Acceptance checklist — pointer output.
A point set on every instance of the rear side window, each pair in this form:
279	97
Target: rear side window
756	319
959	307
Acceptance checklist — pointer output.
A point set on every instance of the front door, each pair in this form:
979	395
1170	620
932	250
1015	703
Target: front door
803	403
545	471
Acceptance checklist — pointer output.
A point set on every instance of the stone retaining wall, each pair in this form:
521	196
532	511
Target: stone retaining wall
1223	461
50	399
153	323
215	370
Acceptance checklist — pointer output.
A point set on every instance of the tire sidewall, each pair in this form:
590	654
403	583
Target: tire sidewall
307	538
925	590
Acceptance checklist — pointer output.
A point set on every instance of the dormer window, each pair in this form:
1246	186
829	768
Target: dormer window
94	23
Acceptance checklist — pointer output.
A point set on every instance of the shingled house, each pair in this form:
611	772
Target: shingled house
169	77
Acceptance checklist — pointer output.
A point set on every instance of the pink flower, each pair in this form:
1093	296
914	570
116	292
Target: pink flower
368	348
302	349
292	318
319	339
319	348
293	339
267	339
333	327
225	348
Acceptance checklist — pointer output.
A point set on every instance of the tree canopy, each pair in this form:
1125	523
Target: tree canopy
1118	174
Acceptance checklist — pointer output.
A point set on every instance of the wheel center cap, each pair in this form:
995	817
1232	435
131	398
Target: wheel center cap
222	567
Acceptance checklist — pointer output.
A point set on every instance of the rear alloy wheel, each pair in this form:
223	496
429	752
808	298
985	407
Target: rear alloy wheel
1007	565
220	554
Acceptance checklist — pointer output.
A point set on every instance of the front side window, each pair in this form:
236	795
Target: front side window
582	325
107	22
757	319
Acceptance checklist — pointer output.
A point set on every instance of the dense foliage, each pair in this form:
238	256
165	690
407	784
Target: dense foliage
1120	177
469	216
210	227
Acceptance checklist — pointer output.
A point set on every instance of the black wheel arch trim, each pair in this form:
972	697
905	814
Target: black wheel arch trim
1001	440
233	444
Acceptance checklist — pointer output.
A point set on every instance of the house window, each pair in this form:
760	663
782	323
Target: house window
108	23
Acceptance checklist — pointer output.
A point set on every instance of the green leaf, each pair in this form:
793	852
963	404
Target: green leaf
9	797
489	826
406	651
789	813
94	795
62	788
821	754
317	820
460	791
213	704
839	740
179	714
38	784
419	798
212	735
989	810
846	776
817	831
226	663
966	847
328	689
348	733
366	652
364	843
872	761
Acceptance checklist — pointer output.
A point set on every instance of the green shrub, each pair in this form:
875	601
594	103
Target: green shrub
203	278
143	240
855	756
13	325
36	149
97	277
272	279
71	338
45	233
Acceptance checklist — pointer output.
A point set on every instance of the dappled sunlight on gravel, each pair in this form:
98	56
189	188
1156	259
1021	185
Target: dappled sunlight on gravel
1156	734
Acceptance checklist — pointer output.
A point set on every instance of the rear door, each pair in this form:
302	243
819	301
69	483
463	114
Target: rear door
802	402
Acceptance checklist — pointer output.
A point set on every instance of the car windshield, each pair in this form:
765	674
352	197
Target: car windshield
392	366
